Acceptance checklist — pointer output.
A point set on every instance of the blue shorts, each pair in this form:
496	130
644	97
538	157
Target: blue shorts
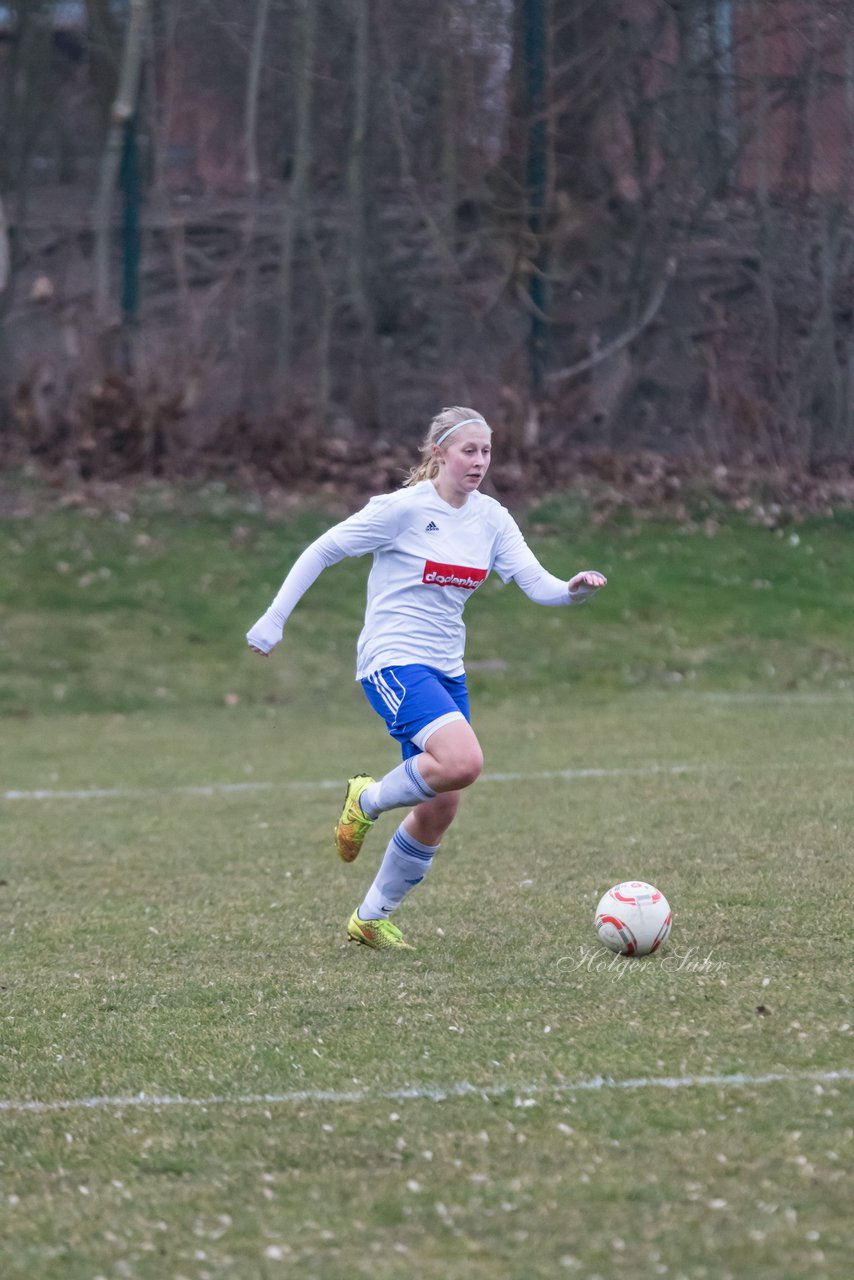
415	701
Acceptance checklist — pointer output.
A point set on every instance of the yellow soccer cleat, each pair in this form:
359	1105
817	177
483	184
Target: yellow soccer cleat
353	825
380	934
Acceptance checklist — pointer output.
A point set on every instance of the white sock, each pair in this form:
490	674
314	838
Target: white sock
402	786
405	864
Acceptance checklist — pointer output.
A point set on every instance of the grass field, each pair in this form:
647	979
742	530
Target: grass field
200	1077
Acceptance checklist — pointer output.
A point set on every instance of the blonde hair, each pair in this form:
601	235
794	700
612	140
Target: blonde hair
442	425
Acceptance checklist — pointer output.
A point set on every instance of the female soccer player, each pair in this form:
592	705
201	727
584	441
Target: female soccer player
433	542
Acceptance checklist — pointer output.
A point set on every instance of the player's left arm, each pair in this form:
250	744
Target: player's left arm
515	559
544	588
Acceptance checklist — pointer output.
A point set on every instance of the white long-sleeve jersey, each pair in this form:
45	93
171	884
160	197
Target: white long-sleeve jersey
429	557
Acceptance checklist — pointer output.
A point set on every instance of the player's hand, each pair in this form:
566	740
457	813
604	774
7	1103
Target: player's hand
587	580
264	636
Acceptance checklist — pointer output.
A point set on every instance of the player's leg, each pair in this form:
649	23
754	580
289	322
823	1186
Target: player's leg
428	714
406	861
449	760
429	821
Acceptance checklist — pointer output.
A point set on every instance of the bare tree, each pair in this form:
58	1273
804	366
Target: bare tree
332	216
295	210
363	394
105	52
5	281
5	250
253	83
27	96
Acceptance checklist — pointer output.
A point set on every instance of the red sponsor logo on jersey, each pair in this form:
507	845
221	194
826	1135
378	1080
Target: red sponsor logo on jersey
452	575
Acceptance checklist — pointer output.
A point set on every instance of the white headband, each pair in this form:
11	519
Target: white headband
465	423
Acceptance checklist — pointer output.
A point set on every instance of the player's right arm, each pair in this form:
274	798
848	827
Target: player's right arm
369	529
267	631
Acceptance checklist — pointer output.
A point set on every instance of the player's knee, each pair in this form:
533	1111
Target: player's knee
455	758
465	767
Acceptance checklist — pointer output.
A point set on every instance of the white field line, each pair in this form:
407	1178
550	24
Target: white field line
133	793
746	697
524	1095
325	784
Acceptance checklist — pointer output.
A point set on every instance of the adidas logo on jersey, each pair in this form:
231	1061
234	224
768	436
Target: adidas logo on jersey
432	527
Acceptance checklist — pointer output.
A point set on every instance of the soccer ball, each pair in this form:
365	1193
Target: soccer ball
633	918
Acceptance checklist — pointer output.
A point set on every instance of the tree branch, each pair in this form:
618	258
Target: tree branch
604	353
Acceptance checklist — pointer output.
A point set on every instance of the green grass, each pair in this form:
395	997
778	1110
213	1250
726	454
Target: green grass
161	940
134	610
